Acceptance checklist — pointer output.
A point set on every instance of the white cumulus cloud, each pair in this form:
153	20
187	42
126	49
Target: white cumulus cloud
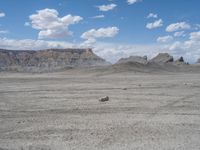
152	15
179	34
130	2
93	34
2	14
98	17
164	39
178	26
52	26
195	36
107	7
155	24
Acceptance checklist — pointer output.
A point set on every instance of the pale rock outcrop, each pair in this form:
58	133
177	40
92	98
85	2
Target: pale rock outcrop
162	58
180	61
133	59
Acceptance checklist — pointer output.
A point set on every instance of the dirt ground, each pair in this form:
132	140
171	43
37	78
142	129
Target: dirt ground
61	111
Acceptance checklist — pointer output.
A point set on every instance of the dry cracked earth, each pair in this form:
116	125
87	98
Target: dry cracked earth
61	111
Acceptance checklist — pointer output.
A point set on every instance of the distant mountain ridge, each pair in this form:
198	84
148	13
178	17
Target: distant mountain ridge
47	60
51	60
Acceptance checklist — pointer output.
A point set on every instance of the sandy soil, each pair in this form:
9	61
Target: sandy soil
61	111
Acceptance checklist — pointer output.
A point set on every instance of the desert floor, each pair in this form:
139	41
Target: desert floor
61	111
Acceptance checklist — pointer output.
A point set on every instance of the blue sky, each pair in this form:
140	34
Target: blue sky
113	28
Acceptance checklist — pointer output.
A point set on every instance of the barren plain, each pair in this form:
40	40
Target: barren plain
61	111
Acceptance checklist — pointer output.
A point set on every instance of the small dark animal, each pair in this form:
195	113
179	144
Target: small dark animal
104	99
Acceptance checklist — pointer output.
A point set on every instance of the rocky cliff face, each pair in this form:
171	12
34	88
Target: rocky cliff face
48	60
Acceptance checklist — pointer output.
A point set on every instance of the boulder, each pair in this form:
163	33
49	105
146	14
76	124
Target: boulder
104	99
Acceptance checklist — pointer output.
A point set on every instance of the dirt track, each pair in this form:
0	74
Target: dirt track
61	111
